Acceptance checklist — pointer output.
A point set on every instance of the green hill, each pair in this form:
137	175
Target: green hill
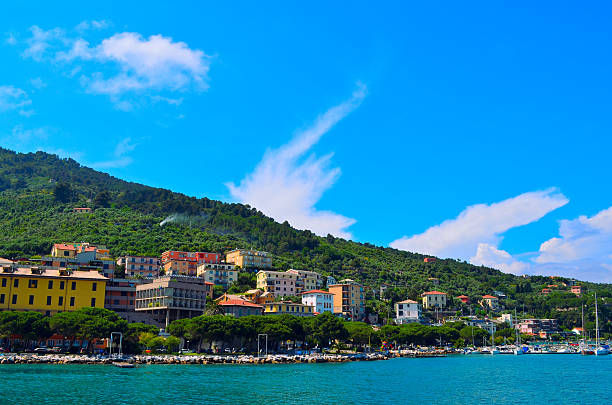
39	190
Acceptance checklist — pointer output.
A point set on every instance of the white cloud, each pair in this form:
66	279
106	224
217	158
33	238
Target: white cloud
20	135
481	223
11	39
93	25
121	158
42	42
13	98
123	66
490	256
38	83
584	239
287	186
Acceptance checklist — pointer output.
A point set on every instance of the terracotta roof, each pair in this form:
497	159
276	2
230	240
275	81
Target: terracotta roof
488	296
407	302
463	296
317	292
433	293
63	246
240	303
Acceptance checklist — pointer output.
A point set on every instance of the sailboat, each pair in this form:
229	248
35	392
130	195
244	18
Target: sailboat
584	349
518	350
599	350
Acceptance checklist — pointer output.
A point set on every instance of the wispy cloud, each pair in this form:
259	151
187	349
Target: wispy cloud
13	98
482	223
38	83
121	156
11	39
125	66
286	185
93	25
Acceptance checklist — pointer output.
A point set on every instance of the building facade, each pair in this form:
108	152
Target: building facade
140	266
170	298
278	283
321	301
307	280
239	308
224	274
249	259
408	311
288	307
348	299
50	290
434	299
490	301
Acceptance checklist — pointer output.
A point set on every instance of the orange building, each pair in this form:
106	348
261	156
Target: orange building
577	289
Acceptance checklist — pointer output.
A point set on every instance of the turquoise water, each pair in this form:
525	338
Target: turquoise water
452	380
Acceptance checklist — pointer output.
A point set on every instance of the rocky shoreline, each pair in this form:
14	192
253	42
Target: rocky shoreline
190	359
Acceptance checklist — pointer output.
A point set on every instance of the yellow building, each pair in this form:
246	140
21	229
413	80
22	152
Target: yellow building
288	307
63	250
50	291
490	301
249	259
348	299
434	299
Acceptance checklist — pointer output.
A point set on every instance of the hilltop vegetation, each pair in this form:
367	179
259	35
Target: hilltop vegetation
39	190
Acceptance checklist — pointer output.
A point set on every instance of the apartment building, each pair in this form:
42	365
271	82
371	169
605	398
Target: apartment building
50	290
239	308
140	266
170	298
490	301
408	311
348	299
434	299
249	259
307	280
321	301
224	274
278	283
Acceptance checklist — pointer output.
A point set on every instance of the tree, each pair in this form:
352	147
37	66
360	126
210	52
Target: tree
326	328
360	333
62	192
102	199
477	333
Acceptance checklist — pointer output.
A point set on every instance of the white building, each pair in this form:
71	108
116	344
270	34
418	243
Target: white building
322	301
224	274
408	311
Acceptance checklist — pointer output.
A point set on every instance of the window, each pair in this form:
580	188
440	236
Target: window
14	299
61	286
71	301
66	253
94	286
1	298
32	283
93	302
31	300
73	287
50	285
16	283
48	300
4	282
60	302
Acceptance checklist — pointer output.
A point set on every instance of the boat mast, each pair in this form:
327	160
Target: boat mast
596	324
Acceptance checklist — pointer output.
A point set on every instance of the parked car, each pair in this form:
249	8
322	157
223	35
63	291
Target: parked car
41	350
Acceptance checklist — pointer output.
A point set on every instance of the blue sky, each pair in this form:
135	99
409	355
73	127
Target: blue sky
477	132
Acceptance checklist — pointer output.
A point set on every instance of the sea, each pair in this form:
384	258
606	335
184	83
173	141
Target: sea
461	379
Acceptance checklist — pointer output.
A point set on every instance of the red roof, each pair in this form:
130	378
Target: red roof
240	303
208	283
317	292
433	293
63	246
488	296
463	296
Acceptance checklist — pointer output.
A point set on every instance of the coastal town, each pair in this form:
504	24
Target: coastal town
179	286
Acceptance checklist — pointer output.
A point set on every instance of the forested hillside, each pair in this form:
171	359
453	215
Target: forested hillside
39	190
